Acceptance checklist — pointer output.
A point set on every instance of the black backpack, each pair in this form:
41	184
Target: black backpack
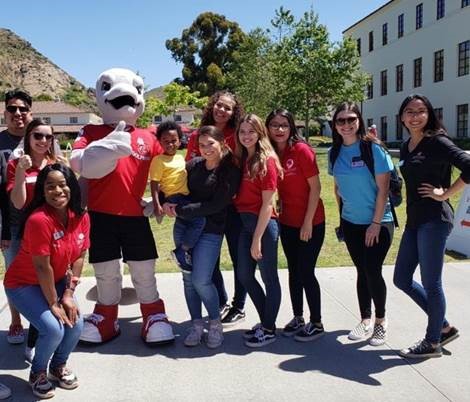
396	182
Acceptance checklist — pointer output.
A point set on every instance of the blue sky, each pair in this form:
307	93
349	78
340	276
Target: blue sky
85	37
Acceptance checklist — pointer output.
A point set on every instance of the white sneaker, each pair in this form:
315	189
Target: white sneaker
215	335
361	331
194	335
380	334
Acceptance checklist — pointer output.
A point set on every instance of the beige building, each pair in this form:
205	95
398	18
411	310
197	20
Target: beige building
416	46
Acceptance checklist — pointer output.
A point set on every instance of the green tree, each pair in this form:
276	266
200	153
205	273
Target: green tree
174	96
206	51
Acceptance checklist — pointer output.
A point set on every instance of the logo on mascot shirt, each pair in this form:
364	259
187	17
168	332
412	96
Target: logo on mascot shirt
142	150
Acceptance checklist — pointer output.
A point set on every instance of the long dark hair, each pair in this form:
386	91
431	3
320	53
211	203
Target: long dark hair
50	154
238	110
39	197
433	126
361	133
294	136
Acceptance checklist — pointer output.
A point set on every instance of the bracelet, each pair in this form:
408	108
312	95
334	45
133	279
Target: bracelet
377	223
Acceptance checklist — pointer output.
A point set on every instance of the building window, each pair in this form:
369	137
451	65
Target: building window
401	25
399	128
2	120
441	9
358	46
370	122
383	82
417	72
419	16
439	65
384	34
464	58
371	41
157	119
370	88
73	120
439	113
465	3
399	78
177	117
462	120
47	120
383	128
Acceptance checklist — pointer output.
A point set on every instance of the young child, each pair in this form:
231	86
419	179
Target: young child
168	184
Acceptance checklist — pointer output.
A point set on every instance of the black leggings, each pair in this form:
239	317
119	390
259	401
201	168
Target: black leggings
368	261
301	260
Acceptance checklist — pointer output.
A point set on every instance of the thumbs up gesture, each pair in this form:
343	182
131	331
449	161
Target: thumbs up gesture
120	135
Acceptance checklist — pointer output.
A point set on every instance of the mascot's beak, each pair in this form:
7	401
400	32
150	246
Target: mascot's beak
121	101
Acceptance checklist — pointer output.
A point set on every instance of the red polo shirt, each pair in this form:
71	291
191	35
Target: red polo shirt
193	146
44	235
31	176
299	164
249	197
120	192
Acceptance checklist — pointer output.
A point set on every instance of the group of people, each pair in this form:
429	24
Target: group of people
249	180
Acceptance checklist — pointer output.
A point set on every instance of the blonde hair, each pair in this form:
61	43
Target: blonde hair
257	165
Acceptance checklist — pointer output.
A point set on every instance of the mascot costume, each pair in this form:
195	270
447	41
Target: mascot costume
115	158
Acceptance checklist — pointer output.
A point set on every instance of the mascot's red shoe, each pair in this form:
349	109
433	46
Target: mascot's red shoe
155	327
101	326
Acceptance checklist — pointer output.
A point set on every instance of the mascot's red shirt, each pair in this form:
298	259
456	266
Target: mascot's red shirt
120	192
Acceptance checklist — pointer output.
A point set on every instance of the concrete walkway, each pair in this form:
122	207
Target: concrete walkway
329	369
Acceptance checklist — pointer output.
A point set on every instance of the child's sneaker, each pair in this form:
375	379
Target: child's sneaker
361	331
40	385
379	335
421	350
309	332
293	326
64	377
182	259
15	334
449	336
261	338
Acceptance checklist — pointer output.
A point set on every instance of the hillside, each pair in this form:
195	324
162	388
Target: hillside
22	66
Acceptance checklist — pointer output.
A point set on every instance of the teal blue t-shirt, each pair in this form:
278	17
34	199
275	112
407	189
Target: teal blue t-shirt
356	185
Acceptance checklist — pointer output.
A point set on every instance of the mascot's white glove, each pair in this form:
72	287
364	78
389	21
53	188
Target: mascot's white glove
100	157
147	205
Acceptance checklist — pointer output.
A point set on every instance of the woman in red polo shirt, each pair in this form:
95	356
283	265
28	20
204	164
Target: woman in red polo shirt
41	280
224	110
302	221
258	239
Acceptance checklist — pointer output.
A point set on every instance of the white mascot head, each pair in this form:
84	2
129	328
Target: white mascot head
120	96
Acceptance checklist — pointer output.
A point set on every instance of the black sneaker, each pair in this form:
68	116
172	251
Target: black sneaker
261	338
293	326
421	350
309	332
251	332
224	310
233	316
182	259
449	336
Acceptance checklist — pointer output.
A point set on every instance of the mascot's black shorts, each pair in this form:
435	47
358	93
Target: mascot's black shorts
111	234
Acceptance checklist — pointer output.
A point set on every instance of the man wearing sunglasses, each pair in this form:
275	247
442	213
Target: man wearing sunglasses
17	117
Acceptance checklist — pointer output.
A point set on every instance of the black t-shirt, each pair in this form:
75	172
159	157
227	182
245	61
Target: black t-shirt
431	162
8	142
210	191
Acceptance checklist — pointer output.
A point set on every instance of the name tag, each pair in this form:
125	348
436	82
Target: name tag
58	235
357	162
31	179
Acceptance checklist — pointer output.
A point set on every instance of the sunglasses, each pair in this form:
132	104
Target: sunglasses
347	120
39	136
13	109
276	126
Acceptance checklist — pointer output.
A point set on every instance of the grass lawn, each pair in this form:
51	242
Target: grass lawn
333	253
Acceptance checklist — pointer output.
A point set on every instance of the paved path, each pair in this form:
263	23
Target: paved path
329	369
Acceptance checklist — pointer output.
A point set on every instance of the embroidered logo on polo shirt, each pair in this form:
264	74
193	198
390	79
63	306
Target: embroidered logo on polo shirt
80	239
289	163
58	235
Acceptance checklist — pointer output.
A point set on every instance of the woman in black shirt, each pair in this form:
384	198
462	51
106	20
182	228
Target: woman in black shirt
213	180
426	160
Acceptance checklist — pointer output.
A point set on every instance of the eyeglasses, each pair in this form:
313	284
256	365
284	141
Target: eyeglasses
275	126
348	120
13	109
39	136
412	113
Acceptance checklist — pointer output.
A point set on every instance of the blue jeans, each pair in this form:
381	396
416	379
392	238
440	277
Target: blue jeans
190	229
198	285
266	304
425	246
10	253
55	340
